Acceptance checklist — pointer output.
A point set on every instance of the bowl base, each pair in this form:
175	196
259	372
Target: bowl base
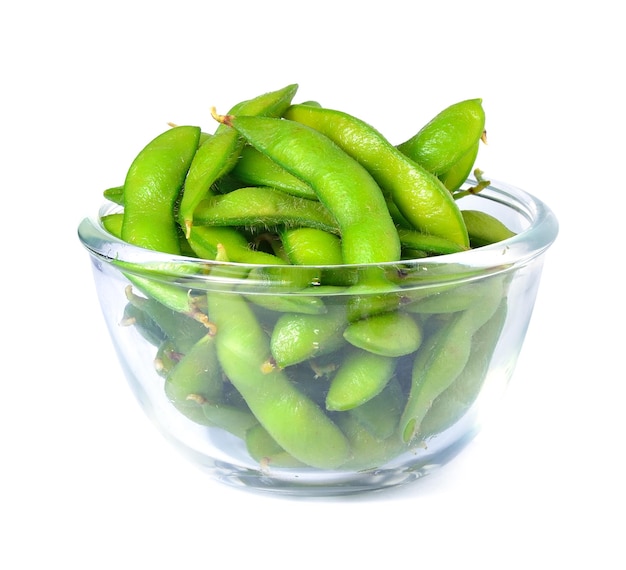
406	469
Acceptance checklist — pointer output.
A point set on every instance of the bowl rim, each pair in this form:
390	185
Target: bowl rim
517	250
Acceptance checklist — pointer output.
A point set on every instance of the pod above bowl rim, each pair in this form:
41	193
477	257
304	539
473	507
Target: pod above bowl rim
529	243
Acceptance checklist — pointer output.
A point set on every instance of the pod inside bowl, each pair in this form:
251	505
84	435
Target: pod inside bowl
329	379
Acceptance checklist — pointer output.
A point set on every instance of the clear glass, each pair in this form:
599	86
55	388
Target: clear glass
230	406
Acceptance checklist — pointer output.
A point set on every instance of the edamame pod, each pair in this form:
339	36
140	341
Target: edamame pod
180	328
297	297
297	337
485	229
294	421
231	418
304	304
391	333
345	187
360	376
366	301
218	154
455	401
442	358
317	249
262	447
151	189
311	246
433	245
368	451
256	169
143	323
113	224
447	145
421	198
173	297
380	415
214	158
204	241
439	361
263	207
452	299
115	195
454	178
166	357
197	377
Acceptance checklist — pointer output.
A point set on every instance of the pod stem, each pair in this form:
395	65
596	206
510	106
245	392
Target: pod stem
481	184
223	119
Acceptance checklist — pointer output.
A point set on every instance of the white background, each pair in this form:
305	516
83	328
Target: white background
87	482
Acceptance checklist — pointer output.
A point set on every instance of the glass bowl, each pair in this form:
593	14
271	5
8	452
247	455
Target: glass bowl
323	380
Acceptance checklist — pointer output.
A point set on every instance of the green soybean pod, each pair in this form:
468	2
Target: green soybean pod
456	400
297	337
256	169
143	323
173	297
183	329
392	333
166	357
368	451
290	293
443	357
197	376
214	158
345	187
320	250
457	174
433	245
397	216
216	414
218	154
305	304
152	186
371	298
113	223
409	253
204	241
485	229
294	421
263	207
440	360
360	376
449	139
421	198
380	415
311	246
115	195
262	447
233	419
452	299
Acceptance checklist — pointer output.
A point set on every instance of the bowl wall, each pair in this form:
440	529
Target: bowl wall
323	380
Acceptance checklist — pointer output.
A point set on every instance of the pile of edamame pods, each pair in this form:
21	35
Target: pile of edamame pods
319	354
